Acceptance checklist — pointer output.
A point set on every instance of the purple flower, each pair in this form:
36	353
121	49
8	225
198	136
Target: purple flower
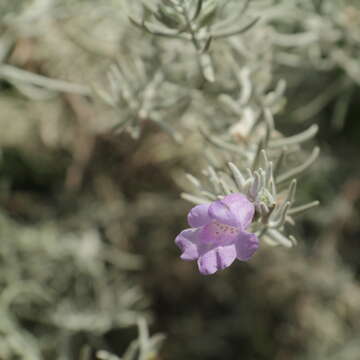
218	233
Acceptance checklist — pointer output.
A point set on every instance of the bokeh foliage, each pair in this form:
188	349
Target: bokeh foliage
99	122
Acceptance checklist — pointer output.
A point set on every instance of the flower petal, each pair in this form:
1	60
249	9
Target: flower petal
234	209
216	259
246	245
187	242
219	234
199	215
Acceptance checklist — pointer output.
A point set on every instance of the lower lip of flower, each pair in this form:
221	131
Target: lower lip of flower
220	229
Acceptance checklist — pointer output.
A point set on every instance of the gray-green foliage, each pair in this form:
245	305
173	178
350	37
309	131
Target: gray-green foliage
248	99
223	79
145	347
65	281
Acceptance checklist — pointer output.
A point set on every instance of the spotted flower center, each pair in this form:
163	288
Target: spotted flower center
220	230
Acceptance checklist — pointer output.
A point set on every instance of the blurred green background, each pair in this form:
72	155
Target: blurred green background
88	216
